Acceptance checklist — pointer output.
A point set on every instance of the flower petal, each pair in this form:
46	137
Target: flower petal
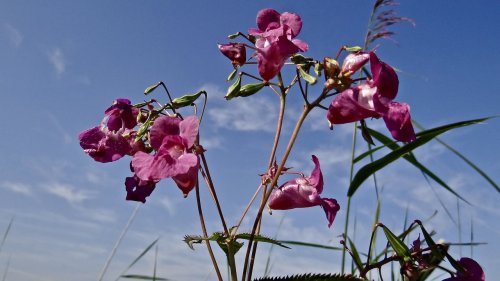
331	207
353	104
162	127
293	21
189	130
398	121
316	178
267	17
384	77
138	190
186	182
103	146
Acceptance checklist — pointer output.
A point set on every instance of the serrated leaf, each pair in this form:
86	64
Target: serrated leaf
151	88
313	245
308	77
353	49
232	74
422	138
313	277
143	277
260	238
250	89
397	244
234	89
186	100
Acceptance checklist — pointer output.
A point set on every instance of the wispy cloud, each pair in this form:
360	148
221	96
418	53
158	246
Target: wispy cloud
58	61
17	187
250	114
67	192
13	35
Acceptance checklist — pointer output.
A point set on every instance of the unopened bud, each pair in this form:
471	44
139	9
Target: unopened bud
353	62
332	68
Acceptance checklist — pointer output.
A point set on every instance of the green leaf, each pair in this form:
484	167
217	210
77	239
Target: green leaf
260	238
355	255
411	158
309	78
306	244
397	244
232	74
151	88
143	277
318	68
353	49
234	35
313	277
142	254
299	59
422	138
250	89
465	159
234	89
186	100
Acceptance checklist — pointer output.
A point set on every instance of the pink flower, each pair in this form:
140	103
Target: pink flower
103	145
276	40
121	115
354	62
374	99
172	139
304	192
236	52
473	271
137	189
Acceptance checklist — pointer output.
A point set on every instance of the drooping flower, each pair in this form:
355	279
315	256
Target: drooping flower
304	192
104	145
473	271
137	189
236	52
276	40
121	115
172	139
374	99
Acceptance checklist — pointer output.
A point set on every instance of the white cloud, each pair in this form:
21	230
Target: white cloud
13	34
58	61
17	187
169	204
67	192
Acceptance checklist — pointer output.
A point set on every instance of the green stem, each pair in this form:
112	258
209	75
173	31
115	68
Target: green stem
204	229
351	173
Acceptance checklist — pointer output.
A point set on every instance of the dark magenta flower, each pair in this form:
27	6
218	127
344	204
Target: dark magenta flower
473	271
137	189
236	52
121	115
103	145
304	192
172	139
373	99
276	40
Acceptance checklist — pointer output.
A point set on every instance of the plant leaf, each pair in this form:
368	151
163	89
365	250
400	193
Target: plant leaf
143	277
313	277
308	77
141	254
260	238
306	244
422	138
353	49
397	244
465	159
355	255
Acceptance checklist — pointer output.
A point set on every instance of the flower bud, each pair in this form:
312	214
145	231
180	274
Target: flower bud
353	62
332	68
236	52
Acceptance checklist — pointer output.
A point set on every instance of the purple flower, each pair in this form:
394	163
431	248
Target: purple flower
373	99
236	52
172	139
276	40
104	145
121	115
473	271
137	189
304	192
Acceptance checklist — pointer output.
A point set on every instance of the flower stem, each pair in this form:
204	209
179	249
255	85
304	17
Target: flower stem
204	229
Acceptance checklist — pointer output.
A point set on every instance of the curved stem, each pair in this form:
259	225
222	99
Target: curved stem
258	217
204	229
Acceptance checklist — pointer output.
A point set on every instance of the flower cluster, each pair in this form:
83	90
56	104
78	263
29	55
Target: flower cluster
275	42
372	99
171	138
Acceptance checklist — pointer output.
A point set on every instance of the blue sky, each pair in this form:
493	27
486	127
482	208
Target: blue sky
63	63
